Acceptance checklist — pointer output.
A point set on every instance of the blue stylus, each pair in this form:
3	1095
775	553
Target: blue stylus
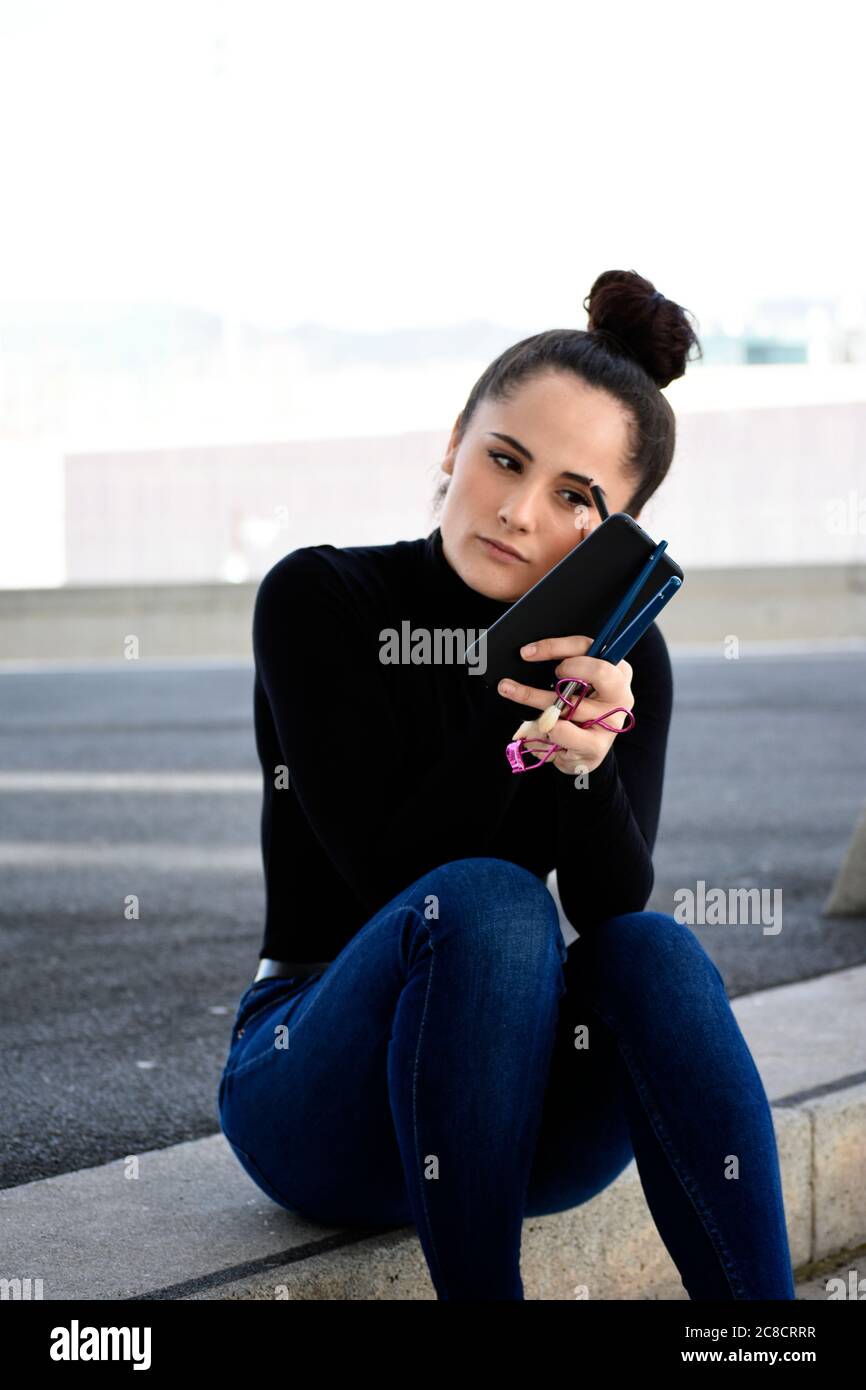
616	617
639	624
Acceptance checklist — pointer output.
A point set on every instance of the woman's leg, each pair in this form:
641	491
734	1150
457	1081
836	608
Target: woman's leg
663	1037
412	1084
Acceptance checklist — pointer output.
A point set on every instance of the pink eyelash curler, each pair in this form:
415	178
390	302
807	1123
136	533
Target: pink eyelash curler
514	751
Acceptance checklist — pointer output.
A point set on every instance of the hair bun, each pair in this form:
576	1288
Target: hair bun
630	314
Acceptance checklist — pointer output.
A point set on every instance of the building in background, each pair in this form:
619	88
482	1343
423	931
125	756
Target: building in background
157	444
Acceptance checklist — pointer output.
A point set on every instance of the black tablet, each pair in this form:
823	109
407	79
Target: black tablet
576	597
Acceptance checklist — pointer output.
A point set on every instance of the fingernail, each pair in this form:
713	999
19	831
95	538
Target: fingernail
506	687
528	650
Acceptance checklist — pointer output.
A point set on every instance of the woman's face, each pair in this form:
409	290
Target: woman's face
532	505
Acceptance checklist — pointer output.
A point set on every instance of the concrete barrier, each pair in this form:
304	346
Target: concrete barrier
94	622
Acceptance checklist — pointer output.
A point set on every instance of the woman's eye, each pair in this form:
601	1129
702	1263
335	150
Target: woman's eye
580	500
507	457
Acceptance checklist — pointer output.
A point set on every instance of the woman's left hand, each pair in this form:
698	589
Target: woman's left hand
582	749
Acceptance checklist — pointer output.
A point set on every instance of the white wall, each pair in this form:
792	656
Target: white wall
770	468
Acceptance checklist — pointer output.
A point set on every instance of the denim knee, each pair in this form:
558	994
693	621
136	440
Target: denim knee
503	906
654	946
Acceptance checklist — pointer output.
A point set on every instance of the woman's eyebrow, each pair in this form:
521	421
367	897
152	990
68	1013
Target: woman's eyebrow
522	449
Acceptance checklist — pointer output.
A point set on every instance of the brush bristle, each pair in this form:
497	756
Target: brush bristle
547	719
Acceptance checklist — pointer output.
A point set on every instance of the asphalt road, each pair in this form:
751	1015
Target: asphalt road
114	1031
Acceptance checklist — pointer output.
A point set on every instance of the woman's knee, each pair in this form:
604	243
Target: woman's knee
493	901
654	947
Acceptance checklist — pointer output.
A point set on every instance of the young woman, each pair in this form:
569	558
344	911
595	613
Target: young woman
420	1046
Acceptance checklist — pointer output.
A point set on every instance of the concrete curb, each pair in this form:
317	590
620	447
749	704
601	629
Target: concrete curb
91	622
191	1225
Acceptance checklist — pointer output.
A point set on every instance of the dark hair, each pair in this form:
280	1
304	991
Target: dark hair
636	343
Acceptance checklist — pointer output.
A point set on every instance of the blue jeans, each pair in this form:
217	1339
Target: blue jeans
436	1074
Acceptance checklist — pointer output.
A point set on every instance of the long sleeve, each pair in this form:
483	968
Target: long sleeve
383	800
606	831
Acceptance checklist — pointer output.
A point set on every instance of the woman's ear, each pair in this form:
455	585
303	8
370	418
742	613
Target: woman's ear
450	452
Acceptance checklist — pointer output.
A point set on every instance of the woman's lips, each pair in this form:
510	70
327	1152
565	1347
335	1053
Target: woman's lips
498	553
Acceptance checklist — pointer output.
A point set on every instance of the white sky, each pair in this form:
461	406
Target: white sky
375	165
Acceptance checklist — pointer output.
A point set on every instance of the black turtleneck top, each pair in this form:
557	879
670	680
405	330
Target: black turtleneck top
374	773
